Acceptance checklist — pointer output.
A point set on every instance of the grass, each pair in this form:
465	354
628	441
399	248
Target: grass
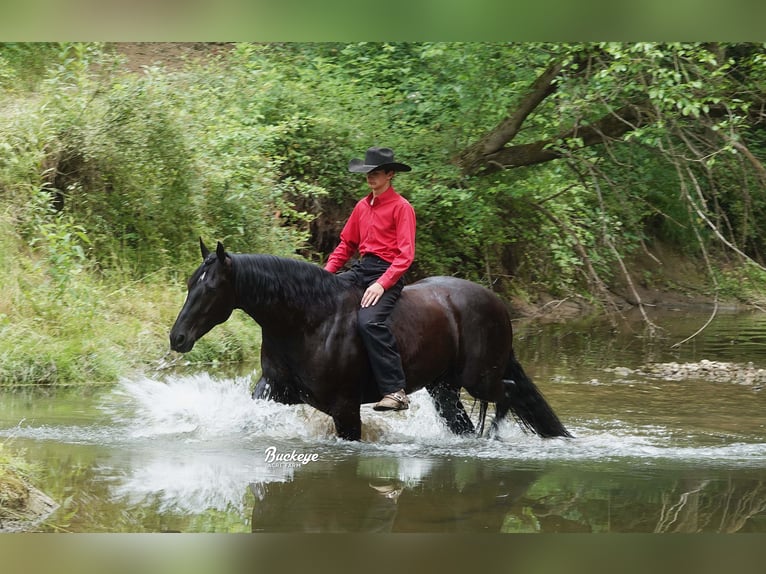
96	327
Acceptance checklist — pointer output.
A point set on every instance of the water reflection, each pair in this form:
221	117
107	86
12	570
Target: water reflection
704	505
465	496
380	495
188	481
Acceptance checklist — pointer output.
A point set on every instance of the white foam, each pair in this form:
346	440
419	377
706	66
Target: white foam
201	407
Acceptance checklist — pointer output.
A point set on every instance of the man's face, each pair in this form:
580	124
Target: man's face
379	180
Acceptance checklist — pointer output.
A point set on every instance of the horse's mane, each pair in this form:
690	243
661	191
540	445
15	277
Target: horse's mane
293	282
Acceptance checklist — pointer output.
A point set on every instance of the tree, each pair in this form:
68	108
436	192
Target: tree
695	109
645	83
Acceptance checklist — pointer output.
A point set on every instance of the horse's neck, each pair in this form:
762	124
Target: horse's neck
284	299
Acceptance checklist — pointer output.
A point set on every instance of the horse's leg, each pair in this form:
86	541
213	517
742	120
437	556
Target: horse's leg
502	408
262	389
450	408
348	424
269	390
277	381
482	417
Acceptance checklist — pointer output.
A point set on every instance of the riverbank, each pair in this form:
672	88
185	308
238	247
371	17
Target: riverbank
22	505
659	278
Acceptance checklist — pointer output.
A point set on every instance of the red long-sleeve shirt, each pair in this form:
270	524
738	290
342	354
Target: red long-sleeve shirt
384	227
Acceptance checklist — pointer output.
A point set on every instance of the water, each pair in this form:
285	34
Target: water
193	452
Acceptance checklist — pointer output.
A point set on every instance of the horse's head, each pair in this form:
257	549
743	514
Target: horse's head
209	301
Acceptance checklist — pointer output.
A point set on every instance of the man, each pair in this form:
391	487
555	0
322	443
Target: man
381	229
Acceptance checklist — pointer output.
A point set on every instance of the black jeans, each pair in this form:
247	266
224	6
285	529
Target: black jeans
373	327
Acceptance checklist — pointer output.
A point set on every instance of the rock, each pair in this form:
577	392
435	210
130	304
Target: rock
22	506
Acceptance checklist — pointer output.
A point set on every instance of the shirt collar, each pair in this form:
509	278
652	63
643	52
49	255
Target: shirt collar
384	197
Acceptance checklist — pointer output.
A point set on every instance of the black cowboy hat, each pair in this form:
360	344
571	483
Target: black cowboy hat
377	157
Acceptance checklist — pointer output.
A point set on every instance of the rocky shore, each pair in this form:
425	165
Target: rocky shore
22	506
713	371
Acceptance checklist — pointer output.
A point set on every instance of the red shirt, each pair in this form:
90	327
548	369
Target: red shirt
384	227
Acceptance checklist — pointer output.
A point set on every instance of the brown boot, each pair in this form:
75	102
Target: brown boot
397	401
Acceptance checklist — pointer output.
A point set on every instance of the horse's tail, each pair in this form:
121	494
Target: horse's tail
527	403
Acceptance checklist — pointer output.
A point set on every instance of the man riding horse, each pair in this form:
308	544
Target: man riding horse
381	229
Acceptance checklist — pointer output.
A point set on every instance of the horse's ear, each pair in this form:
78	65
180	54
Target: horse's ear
203	248
221	253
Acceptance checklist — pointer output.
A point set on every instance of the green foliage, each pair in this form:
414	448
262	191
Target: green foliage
147	163
107	178
458	240
23	65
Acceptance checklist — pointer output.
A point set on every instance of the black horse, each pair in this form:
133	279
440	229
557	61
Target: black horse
451	333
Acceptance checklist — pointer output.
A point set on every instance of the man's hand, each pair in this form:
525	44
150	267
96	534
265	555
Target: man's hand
372	295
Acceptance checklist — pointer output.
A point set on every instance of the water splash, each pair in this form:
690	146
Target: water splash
201	407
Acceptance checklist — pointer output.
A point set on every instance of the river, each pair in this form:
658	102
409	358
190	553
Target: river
666	440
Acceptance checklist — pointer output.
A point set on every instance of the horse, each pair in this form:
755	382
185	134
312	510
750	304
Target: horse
451	334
